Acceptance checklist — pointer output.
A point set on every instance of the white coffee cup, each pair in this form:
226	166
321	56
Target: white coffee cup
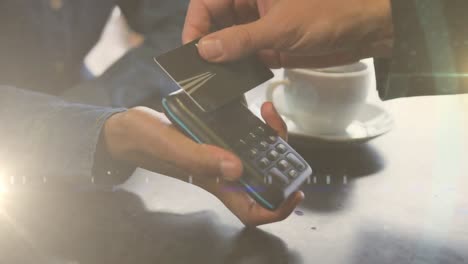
322	101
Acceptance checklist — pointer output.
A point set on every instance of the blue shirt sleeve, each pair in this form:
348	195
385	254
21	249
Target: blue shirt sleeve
43	136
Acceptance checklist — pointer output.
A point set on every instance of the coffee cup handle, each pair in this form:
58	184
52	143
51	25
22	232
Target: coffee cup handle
270	90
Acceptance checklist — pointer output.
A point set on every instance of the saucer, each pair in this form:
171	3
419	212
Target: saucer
372	121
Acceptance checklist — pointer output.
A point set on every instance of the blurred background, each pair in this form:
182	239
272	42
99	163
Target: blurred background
116	40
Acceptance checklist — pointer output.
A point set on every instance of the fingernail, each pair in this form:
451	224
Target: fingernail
210	49
229	170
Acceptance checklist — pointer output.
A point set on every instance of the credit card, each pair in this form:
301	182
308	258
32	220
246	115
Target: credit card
211	85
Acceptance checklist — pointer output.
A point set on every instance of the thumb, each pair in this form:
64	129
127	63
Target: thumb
235	42
207	160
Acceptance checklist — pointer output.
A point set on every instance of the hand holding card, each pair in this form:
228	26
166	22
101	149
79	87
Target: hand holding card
212	85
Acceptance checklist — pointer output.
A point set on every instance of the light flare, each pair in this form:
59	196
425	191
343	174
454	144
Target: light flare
3	187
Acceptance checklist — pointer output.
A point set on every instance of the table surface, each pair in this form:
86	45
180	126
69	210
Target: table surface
400	198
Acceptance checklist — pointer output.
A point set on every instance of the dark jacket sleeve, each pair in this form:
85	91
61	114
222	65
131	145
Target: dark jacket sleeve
430	53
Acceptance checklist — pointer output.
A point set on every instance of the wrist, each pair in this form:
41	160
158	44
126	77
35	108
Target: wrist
380	43
384	46
117	137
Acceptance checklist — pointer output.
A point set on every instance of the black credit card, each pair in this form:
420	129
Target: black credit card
211	85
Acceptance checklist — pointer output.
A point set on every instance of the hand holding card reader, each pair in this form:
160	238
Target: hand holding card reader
272	169
206	105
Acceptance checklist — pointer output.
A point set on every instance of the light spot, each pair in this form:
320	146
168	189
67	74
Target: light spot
3	187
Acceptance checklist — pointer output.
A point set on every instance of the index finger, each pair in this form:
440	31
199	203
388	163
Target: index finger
202	15
197	22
